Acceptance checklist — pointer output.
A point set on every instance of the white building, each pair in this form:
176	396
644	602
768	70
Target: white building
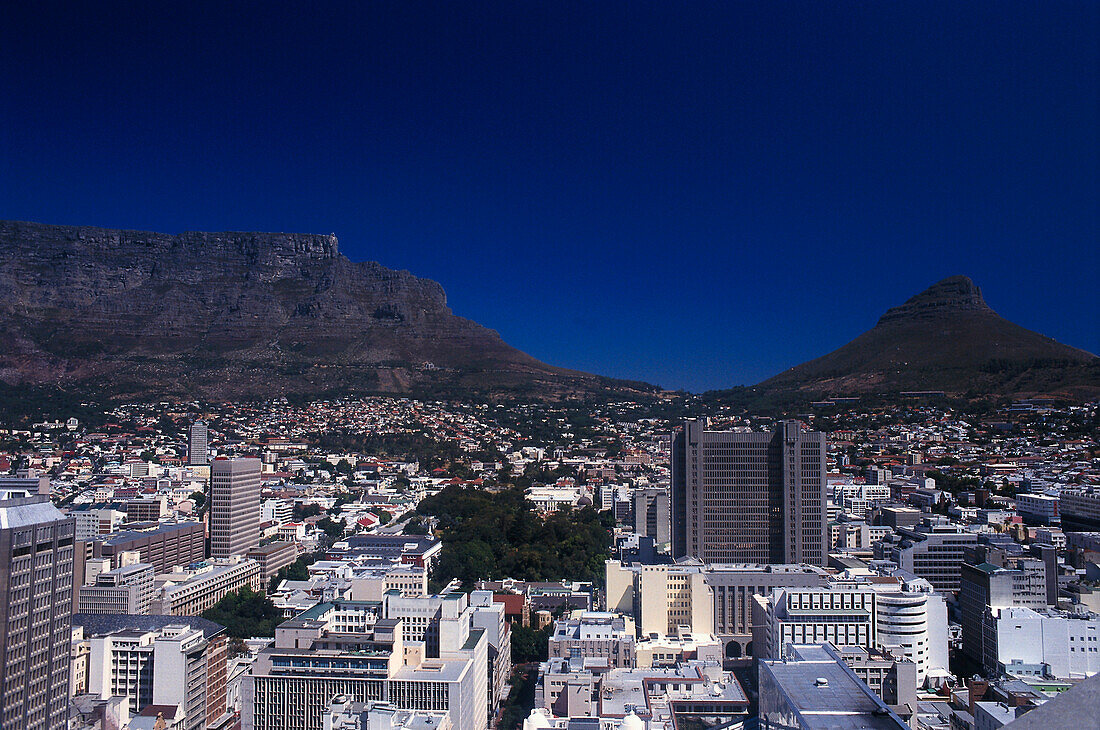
1040	508
907	618
316	658
1069	644
175	666
190	592
126	590
279	511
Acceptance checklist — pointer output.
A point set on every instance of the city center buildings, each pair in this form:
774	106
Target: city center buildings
749	497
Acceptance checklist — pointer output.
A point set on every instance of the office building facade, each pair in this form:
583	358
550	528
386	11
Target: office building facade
908	619
749	497
234	506
164	546
190	592
125	590
36	608
198	444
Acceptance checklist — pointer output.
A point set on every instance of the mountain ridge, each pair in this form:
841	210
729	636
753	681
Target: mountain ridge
240	314
945	338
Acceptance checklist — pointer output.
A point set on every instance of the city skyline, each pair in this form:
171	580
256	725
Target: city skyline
569	366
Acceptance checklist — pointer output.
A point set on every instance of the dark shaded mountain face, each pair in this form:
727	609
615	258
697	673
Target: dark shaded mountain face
946	338
234	315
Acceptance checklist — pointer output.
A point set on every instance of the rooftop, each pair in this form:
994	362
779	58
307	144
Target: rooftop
826	694
101	624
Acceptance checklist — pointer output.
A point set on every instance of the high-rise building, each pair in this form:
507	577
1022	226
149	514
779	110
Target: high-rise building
651	518
36	608
749	497
198	444
234	506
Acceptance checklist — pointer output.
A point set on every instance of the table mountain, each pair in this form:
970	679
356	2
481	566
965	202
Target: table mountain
945	338
233	315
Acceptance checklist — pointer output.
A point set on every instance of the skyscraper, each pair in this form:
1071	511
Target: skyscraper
198	444
36	608
234	506
749	497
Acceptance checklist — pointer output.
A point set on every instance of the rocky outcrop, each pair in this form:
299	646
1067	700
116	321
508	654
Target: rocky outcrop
228	315
946	338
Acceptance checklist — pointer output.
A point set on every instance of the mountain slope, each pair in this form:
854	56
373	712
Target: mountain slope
230	315
946	338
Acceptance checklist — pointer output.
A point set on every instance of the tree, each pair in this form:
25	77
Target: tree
491	535
338	505
334	530
298	570
199	498
530	645
302	511
416	526
382	515
245	613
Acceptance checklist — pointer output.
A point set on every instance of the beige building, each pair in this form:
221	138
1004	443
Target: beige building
190	592
592	634
661	598
672	650
273	557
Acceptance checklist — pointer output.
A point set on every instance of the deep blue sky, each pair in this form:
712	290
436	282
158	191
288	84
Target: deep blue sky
693	194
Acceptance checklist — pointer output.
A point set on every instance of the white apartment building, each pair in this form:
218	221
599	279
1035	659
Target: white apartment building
1039	508
174	666
443	624
279	511
125	590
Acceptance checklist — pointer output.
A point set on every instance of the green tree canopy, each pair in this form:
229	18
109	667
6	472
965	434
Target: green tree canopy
495	535
245	613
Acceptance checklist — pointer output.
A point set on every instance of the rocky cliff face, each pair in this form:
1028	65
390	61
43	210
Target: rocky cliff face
946	338
230	315
952	296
